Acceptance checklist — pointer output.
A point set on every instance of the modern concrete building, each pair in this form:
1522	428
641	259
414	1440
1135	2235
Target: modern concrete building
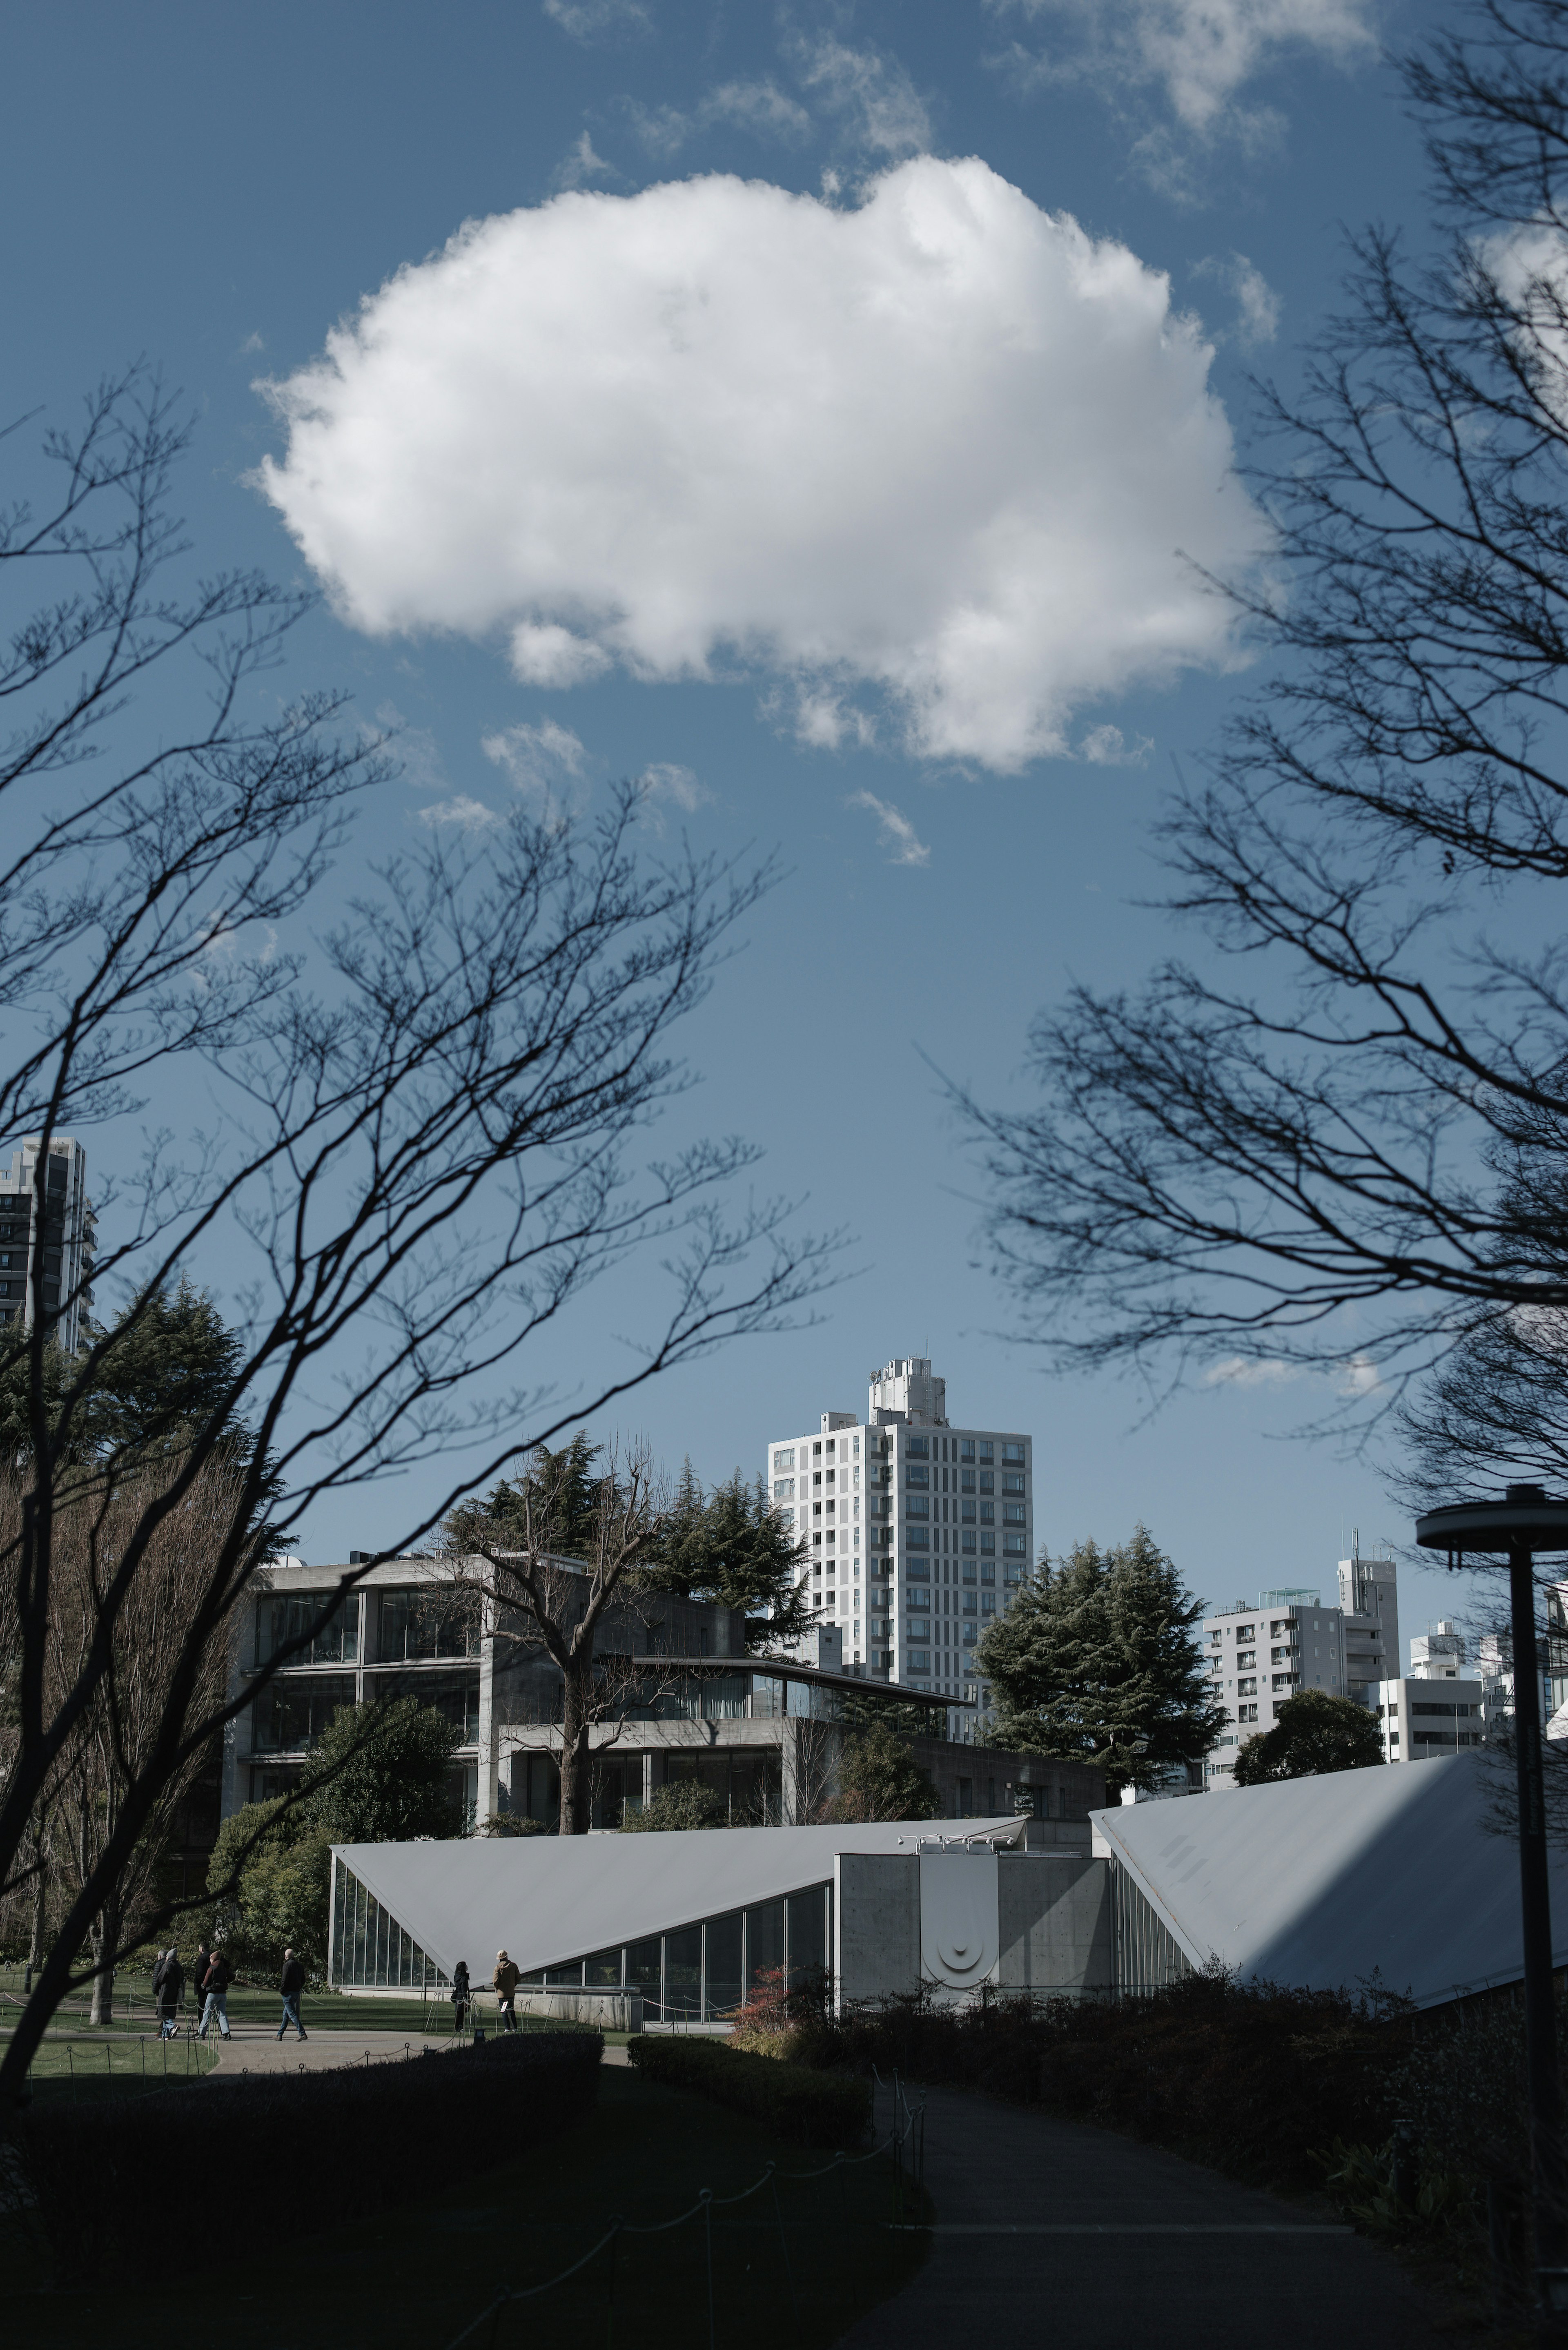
765	1736
919	1531
1369	1602
687	1923
64	1232
1425	1716
1322	1882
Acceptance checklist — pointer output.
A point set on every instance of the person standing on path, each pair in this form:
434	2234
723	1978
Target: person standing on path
168	1982
505	1984
291	1984
199	1965
215	1984
460	1995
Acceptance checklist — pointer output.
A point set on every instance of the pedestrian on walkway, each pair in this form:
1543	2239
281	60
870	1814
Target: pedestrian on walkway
199	1965
168	1982
505	1985
215	1984
460	1996
290	1986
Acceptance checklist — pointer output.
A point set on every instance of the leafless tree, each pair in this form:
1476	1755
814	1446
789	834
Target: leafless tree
590	1618
422	1139
1312	1147
105	1757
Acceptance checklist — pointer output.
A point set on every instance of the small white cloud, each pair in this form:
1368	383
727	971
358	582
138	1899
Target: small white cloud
1257	304
1359	1376
583	164
1201	53
1108	746
822	720
599	20
662	131
543	653
463	813
893	829
251	343
1250	1372
539	759
758	106
872	94
664	780
413	747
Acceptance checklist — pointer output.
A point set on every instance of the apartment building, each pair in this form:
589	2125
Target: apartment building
919	1531
1260	1656
1369	1603
63	1231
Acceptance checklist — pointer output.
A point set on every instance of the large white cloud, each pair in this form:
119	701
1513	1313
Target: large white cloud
941	448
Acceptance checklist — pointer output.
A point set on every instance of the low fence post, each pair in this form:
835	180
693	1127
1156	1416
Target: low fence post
707	2199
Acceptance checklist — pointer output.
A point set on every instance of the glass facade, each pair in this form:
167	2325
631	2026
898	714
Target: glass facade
370	1947
701	1972
1147	1955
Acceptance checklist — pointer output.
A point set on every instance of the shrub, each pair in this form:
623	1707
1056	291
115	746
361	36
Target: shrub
783	2018
678	1803
791	2101
339	2145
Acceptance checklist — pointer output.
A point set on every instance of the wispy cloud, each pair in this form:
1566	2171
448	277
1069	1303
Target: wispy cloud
545	761
583	164
893	830
1108	746
599	20
760	106
1249	1371
871	94
460	813
1257	304
664	780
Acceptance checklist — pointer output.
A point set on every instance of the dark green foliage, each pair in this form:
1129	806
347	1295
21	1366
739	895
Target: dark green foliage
678	1803
340	2145
817	2109
379	1775
1253	2078
1312	1733
1098	1653
732	1546
879	1779
555	1501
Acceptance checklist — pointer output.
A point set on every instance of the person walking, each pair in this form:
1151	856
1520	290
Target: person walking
215	1984
168	1982
199	1965
505	1985
460	1996
290	1985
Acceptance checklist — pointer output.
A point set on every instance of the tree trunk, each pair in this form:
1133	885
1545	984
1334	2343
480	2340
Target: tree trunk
577	1792
106	1941
40	1905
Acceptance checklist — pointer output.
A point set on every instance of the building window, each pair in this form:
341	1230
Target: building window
1013	1485
783	1488
1013	1513
966	1448
1247	1688
1246	1713
987	1453
916	1448
784	1457
1013	1452
919	1478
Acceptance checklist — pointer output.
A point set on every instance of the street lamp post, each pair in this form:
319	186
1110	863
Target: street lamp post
1525	1521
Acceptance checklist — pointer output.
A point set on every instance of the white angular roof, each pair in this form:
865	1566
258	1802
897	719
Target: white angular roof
547	1899
1399	1869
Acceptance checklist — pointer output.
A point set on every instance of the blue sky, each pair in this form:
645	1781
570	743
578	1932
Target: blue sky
1075	229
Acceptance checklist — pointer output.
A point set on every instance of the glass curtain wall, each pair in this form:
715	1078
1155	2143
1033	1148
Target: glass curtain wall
369	1946
701	1973
1148	1956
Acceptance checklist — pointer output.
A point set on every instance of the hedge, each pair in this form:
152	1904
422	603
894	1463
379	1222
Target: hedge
819	2108
323	2147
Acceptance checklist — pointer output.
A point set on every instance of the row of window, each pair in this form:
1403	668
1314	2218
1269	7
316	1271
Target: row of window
965	1450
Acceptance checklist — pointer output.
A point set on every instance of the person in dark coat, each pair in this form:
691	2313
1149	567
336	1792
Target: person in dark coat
168	1982
505	1985
461	1994
215	1984
199	1965
291	1984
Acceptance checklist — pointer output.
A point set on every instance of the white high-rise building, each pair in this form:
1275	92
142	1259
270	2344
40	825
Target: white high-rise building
919	1531
1258	1657
65	1235
1369	1600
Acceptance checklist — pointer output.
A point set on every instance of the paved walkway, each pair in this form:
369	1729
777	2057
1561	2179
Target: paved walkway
1057	2232
255	2048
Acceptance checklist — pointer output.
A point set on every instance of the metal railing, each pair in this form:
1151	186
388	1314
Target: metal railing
906	2142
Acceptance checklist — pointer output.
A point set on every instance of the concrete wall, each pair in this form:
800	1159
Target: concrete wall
1055	1914
612	2011
876	1924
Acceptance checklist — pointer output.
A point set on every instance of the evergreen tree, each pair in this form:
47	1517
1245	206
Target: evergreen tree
732	1546
1312	1733
678	1803
560	1492
879	1779
1096	1662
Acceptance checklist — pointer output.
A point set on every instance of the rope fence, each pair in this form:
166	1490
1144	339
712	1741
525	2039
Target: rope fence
906	2142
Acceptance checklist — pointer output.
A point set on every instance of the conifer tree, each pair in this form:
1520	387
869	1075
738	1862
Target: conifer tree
732	1546
1096	1662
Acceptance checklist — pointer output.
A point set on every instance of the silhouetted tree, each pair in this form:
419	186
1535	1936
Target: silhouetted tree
1312	1733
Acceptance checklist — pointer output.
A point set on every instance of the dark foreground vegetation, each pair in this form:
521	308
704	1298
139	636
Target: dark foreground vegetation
812	2107
793	2267
334	2145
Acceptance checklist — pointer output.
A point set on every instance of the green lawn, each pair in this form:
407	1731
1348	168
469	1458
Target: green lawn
135	2011
414	2278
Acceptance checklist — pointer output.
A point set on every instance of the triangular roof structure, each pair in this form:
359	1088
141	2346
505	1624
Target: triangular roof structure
1409	1871
551	1899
